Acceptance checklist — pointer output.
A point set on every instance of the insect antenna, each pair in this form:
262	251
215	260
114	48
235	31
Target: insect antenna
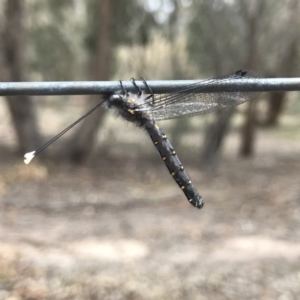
30	155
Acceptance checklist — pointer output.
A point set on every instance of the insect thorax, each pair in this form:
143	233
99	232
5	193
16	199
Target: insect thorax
127	106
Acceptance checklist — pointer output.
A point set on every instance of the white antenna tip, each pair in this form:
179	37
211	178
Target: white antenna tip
28	157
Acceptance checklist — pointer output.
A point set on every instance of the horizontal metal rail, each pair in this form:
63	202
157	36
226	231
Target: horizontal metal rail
158	86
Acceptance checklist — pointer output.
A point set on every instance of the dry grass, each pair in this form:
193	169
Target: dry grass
119	228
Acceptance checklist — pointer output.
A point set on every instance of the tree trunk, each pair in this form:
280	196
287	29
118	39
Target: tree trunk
287	67
248	130
275	108
214	137
100	69
215	133
21	107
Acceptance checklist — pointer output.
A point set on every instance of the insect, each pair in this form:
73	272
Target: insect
144	109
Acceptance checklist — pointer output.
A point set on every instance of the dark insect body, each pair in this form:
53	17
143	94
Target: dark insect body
143	109
127	106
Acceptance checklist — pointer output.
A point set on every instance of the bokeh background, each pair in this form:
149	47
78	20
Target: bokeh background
97	215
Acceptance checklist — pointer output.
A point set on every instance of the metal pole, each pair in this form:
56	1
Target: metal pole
158	87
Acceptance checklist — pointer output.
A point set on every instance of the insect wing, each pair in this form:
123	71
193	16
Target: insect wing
194	99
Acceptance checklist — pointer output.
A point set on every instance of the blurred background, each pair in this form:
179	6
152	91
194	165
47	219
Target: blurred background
97	215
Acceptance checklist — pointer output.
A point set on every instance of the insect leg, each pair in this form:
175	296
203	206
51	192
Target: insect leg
149	88
136	86
124	91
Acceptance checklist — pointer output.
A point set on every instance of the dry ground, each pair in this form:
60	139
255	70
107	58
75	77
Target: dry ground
119	228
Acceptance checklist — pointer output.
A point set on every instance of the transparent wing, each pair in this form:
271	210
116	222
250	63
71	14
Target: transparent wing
201	104
190	101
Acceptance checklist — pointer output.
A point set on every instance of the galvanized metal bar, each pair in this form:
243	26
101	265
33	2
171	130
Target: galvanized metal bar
158	86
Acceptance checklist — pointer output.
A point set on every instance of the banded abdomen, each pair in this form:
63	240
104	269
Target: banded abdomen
173	163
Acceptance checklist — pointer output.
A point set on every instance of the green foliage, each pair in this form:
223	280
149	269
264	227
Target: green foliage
223	35
215	36
132	23
61	34
54	30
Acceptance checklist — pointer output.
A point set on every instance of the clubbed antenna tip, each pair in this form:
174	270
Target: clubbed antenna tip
28	157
